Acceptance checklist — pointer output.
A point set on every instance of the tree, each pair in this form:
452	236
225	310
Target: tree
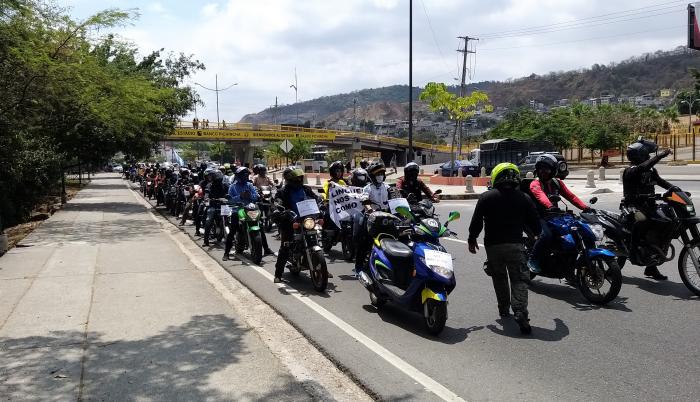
335	155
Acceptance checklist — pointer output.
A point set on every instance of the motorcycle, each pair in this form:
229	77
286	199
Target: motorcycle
675	218
265	204
332	236
218	227
306	252
248	235
574	255
415	273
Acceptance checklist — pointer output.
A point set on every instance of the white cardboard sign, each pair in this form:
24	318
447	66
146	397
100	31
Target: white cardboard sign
434	257
307	207
398	202
226	210
343	202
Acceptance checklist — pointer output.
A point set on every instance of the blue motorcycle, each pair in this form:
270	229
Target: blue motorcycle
408	266
574	255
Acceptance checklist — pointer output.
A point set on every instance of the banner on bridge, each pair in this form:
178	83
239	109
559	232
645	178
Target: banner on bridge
214	134
343	202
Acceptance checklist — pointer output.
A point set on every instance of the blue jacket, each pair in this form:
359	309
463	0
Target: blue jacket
237	188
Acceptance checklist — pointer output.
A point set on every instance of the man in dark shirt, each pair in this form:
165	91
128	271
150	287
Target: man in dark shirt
505	211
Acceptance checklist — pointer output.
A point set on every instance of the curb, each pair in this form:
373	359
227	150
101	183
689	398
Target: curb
466	196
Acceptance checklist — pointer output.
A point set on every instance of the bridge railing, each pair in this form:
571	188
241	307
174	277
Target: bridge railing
337	133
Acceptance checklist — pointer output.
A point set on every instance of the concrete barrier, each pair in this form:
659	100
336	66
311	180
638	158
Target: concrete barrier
483	172
590	179
470	184
274	177
318	179
622	172
601	173
3	243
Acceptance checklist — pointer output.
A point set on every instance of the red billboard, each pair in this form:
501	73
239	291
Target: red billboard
693	29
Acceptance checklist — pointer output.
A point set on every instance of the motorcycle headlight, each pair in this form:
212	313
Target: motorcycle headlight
690	209
253	214
266	192
597	230
309	224
439	269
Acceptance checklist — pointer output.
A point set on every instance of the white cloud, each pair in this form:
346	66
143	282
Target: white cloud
340	46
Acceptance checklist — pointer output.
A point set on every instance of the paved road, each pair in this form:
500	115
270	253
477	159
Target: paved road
642	346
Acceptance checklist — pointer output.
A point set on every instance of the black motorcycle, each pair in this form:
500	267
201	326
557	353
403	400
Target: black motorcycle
218	227
674	218
265	204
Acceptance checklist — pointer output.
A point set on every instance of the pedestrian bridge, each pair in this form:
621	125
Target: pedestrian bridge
254	135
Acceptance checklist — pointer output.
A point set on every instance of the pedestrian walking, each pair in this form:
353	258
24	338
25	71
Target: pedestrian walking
503	213
195	123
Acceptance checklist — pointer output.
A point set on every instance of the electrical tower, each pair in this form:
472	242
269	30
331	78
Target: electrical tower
463	86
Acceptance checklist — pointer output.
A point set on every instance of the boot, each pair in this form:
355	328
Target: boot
225	257
523	322
653	272
504	311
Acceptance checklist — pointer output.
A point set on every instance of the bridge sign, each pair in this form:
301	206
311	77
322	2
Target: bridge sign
286	146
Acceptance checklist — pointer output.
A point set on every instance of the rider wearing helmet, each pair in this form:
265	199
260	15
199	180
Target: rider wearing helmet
287	197
241	191
364	164
336	170
504	212
261	179
359	178
411	184
542	189
215	190
375	196
638	182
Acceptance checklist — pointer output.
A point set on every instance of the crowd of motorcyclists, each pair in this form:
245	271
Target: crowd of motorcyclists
241	205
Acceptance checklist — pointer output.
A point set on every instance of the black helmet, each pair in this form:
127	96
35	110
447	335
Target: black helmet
256	169
411	170
336	169
262	170
374	170
359	177
242	174
639	151
548	161
364	164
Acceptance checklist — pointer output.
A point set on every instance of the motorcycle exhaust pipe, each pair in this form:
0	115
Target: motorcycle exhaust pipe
365	280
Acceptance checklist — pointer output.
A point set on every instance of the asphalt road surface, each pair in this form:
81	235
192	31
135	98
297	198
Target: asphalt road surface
642	346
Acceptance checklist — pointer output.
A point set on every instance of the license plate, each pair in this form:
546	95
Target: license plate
226	210
148	183
187	193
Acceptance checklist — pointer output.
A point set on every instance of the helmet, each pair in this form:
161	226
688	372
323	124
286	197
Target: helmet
293	175
218	175
505	174
411	170
262	170
336	169
374	170
209	171
364	164
256	169
359	177
639	151
547	161
242	174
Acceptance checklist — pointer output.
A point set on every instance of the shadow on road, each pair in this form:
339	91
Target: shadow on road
179	363
661	288
510	329
413	322
574	297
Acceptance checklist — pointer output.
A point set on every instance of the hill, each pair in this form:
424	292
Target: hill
645	74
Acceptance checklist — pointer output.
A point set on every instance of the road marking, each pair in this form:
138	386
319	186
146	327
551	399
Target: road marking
417	375
460	241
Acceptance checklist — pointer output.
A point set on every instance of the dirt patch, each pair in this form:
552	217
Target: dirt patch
47	207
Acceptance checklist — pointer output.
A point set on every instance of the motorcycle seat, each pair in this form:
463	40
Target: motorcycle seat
395	248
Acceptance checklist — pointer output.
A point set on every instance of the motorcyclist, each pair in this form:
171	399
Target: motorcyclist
375	197
287	197
199	214
359	178
336	171
411	184
261	179
541	189
241	191
639	182
215	190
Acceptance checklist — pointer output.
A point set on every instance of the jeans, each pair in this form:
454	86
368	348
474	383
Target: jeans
361	239
507	261
542	243
286	237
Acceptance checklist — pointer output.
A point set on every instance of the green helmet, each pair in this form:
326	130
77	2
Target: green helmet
505	173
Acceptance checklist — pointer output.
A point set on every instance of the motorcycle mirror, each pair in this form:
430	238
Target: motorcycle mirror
453	216
405	212
593	200
439	191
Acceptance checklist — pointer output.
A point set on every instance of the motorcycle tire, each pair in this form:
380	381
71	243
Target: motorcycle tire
376	301
612	275
348	248
691	279
256	247
434	316
318	271
294	269
327	244
268	225
219	229
240	241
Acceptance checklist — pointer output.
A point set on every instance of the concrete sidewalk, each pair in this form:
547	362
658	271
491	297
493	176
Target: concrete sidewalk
101	303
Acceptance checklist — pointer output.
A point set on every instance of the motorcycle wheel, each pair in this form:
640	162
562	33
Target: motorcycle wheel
689	269
240	241
592	282
348	249
268	224
318	271
327	244
376	301
434	316
294	269
219	229
256	247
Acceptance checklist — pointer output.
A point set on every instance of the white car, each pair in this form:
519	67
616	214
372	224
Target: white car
118	169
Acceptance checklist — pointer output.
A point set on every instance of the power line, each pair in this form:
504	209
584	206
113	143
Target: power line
596	17
587	25
579	40
430	25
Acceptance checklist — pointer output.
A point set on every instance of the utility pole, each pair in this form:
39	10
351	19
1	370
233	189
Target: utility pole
463	87
296	99
410	82
354	114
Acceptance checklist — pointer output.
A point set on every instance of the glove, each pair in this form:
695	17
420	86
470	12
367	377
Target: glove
473	246
553	209
588	210
665	153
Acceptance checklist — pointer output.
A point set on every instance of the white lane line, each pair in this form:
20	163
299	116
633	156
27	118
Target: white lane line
417	375
460	241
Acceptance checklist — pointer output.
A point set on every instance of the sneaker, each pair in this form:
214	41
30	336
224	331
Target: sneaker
206	244
277	279
198	234
533	266
523	323
225	257
504	312
653	272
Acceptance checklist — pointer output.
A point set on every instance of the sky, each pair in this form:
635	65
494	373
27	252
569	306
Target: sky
339	46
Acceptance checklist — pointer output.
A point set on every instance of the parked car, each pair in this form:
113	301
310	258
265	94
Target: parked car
117	168
527	164
464	168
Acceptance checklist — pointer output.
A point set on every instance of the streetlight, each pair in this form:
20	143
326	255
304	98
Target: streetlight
217	90
296	99
690	121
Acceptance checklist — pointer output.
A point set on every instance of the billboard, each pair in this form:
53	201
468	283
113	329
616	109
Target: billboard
693	29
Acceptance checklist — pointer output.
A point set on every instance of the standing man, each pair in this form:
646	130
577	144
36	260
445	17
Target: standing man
505	211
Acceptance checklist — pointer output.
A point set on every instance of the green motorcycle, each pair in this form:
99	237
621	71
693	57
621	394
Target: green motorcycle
248	235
